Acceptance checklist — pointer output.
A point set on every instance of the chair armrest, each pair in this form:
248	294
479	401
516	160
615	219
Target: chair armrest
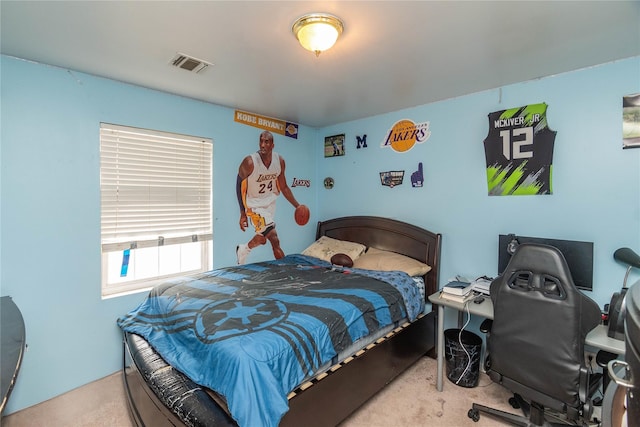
485	326
584	392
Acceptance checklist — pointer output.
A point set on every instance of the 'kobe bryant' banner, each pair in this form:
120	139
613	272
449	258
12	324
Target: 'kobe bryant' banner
267	123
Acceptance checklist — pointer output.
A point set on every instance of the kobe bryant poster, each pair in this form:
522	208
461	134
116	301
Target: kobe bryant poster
519	151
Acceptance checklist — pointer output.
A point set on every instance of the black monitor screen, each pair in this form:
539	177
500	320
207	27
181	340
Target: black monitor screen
579	256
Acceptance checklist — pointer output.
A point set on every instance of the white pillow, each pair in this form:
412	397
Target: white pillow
326	247
377	259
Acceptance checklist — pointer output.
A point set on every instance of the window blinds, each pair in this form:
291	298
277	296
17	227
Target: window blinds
155	186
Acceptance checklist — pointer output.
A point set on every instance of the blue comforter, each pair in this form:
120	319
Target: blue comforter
253	333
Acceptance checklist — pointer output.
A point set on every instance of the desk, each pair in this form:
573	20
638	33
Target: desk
597	338
12	347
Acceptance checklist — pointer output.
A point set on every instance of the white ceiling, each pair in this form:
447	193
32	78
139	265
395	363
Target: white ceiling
392	54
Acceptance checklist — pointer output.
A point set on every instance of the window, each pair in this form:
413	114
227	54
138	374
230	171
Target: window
156	207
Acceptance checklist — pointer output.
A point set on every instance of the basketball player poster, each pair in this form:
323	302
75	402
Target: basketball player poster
519	151
261	179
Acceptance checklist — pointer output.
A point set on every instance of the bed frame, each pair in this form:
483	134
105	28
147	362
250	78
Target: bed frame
153	387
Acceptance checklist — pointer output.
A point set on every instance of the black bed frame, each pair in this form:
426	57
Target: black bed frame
152	386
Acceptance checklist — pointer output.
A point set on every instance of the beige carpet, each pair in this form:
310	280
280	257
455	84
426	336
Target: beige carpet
410	401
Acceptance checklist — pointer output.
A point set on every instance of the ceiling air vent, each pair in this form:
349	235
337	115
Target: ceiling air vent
189	63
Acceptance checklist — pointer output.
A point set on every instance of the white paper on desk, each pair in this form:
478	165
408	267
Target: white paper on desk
481	285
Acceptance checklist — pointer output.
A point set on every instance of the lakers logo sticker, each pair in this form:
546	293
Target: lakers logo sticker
405	134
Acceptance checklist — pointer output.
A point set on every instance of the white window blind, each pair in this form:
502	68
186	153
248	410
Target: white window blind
155	186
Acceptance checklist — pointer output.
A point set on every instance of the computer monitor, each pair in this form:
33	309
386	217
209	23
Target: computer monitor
579	256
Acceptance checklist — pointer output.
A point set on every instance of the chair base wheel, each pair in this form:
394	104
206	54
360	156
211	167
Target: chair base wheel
514	403
474	414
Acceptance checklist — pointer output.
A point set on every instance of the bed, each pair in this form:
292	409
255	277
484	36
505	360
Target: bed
332	386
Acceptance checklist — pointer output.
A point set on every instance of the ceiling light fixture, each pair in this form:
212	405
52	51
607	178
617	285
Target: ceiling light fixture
317	32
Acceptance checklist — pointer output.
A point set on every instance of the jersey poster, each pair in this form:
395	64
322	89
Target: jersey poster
519	152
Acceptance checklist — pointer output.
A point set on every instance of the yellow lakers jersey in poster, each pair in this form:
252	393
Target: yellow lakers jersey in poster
519	151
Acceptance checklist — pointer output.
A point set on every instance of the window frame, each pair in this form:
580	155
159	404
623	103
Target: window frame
156	191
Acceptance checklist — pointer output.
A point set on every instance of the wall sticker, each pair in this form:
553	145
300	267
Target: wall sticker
261	179
267	123
334	145
417	177
328	183
519	151
405	134
361	142
298	182
391	178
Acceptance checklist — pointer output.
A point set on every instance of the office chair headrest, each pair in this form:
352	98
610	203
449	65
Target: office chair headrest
528	281
539	268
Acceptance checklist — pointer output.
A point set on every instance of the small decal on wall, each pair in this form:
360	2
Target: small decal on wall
361	142
417	177
328	183
334	145
267	123
297	182
405	134
519	151
391	178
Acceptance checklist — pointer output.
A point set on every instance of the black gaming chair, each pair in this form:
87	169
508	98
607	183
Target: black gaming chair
535	344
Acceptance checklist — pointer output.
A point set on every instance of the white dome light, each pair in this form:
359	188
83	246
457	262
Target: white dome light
317	32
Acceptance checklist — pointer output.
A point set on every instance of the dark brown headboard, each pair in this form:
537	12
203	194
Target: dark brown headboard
391	235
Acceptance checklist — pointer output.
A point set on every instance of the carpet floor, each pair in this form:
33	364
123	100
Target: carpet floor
410	401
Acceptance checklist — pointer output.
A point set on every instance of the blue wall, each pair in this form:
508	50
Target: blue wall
50	230
50	194
596	194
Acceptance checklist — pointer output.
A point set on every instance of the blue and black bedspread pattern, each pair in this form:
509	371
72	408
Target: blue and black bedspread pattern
253	333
